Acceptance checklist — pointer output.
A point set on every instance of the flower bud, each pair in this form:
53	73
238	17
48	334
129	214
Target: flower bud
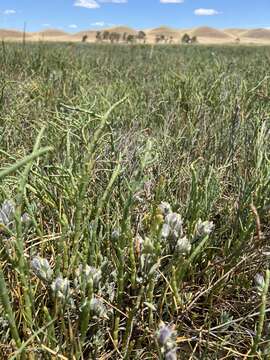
61	289
7	212
148	246
97	308
41	268
25	218
260	283
164	334
165	208
115	235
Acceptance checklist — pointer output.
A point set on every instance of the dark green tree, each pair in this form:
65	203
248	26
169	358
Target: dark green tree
84	38
141	36
186	39
98	36
106	35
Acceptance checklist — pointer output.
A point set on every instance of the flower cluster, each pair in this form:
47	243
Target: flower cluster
7	213
173	226
84	274
61	290
61	287
172	230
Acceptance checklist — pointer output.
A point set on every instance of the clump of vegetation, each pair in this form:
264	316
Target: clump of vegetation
186	39
84	38
134	202
115	37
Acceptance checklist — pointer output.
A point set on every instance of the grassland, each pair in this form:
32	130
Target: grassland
92	140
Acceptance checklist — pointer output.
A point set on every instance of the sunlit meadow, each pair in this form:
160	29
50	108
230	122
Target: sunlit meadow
134	202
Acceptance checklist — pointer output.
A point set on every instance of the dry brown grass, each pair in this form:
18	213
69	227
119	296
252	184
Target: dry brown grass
260	34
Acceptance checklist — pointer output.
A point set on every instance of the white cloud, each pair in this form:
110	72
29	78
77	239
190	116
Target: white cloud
9	12
95	4
102	24
98	23
206	12
89	4
171	1
114	1
73	26
46	25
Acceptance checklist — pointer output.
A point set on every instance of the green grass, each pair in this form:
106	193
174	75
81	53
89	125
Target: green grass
92	140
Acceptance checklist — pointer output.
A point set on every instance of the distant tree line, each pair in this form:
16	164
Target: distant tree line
115	37
161	38
186	39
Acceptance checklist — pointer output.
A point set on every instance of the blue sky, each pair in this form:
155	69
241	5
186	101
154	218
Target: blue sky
75	15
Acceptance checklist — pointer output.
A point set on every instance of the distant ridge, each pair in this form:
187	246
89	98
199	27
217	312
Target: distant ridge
235	31
90	34
257	34
209	32
204	34
52	33
122	30
163	30
9	34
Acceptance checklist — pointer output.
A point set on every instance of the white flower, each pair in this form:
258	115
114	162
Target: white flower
173	226
204	228
25	218
7	212
165	208
164	334
115	235
97	308
42	269
183	246
165	232
61	289
260	283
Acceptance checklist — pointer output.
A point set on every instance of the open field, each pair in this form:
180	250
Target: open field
134	190
204	34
